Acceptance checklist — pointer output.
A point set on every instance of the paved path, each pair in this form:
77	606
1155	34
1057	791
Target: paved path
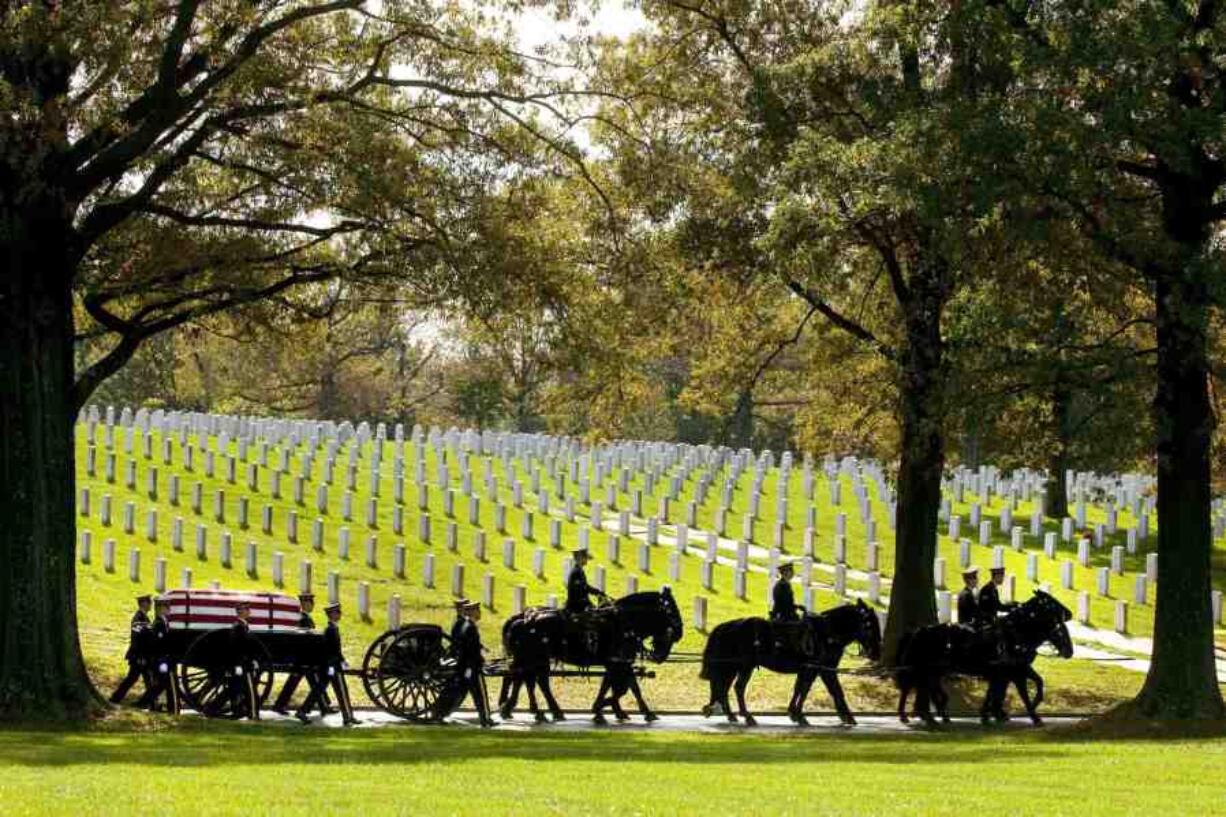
580	722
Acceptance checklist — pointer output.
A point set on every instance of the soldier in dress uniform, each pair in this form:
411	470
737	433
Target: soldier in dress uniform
990	604
578	590
466	648
161	662
331	671
783	601
245	703
305	622
968	604
138	663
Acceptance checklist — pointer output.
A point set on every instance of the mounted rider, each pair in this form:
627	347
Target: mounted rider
968	603
989	603
783	600
578	591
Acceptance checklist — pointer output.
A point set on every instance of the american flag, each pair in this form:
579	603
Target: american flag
215	609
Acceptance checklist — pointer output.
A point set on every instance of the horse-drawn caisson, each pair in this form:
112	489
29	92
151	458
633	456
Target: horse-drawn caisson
422	672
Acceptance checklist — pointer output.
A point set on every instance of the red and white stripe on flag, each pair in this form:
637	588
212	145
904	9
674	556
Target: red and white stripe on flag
215	609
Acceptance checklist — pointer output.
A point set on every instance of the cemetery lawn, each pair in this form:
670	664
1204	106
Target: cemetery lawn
234	769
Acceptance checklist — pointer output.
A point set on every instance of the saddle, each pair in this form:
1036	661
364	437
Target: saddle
584	631
793	639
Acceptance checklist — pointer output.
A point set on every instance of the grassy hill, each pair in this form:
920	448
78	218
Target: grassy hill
105	596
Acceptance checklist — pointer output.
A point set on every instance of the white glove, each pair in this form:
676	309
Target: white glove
255	665
163	668
331	671
344	665
468	674
238	670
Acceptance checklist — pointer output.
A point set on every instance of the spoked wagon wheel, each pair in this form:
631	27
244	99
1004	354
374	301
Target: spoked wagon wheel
371	664
204	675
415	679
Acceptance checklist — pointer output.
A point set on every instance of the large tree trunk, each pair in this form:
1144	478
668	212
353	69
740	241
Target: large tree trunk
42	674
1055	500
1182	681
913	592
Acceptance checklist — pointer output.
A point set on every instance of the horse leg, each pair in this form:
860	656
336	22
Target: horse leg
804	683
508	696
1023	692
835	687
923	699
547	690
617	690
742	681
990	701
599	704
637	691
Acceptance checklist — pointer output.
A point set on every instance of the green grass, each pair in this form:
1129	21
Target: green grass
105	598
222	769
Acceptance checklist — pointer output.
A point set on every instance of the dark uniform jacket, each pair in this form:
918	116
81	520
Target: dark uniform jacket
466	644
242	645
333	657
578	590
783	602
305	621
138	639
156	647
990	604
968	607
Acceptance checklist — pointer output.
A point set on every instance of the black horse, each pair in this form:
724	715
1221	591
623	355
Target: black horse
1002	654
612	636
811	650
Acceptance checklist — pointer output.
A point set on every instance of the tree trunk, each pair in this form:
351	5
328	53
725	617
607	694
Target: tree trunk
913	593
1055	500
42	674
1182	681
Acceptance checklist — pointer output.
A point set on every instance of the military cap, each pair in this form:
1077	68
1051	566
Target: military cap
580	553
970	571
461	604
472	605
143	597
306	597
242	604
161	601
996	570
787	564
333	607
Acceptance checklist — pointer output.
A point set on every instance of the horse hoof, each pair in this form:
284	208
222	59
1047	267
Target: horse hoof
750	720
707	710
650	716
540	717
731	718
801	720
506	714
944	719
849	721
600	720
904	719
559	716
1036	720
622	717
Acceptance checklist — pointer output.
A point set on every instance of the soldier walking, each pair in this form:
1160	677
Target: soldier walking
161	662
466	648
331	671
305	622
136	656
243	700
968	604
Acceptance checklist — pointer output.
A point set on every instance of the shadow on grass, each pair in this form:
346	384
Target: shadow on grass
209	744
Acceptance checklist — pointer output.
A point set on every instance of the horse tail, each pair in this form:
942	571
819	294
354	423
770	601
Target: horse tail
709	652
903	674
